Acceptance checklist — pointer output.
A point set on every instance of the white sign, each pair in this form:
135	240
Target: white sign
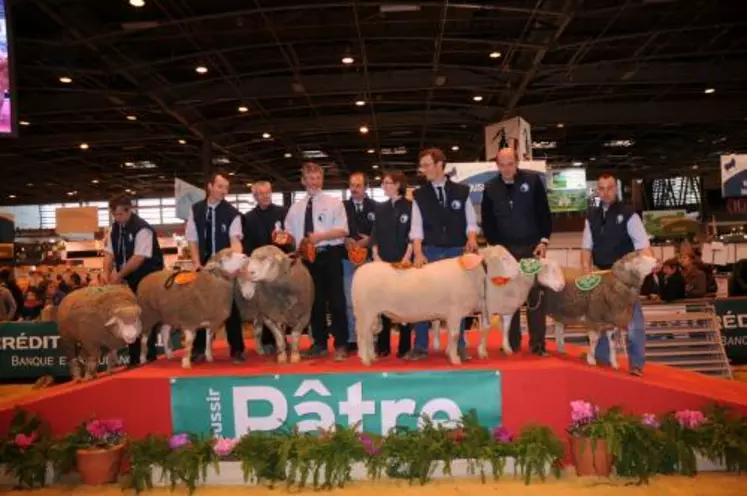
515	133
733	176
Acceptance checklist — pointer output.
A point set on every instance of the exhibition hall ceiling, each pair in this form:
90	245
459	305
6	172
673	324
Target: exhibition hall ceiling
114	96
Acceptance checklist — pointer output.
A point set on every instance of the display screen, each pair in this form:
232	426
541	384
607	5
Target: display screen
7	125
567	190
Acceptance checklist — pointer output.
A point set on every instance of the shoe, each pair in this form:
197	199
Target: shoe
341	354
238	358
314	352
383	353
415	355
269	349
402	354
636	371
540	352
464	356
197	357
352	347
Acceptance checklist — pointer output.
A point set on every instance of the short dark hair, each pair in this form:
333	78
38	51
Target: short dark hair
122	200
436	154
75	279
397	176
607	175
216	174
362	174
672	263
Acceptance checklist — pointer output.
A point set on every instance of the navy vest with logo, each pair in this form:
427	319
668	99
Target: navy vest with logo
360	222
444	227
225	213
514	210
609	234
258	225
127	244
392	228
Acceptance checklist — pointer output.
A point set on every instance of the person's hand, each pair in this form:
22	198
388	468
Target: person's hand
406	261
376	257
471	246
115	278
540	251
363	242
419	260
314	238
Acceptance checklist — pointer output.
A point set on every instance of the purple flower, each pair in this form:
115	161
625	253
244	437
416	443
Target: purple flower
650	420
179	441
690	419
583	412
502	435
368	445
224	447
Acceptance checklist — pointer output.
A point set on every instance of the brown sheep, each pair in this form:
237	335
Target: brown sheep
95	318
284	294
203	302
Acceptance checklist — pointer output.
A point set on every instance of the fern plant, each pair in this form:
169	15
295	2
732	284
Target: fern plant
723	438
535	449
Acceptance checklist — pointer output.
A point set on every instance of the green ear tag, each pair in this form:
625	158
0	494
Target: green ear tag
530	266
588	282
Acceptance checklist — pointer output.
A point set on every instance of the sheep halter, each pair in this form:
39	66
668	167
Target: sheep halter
530	266
588	282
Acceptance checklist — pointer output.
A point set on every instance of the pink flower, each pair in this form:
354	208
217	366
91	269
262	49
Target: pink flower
690	419
650	420
582	412
502	435
23	441
179	441
368	445
224	446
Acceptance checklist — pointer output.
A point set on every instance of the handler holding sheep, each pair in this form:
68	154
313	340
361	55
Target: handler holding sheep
613	230
516	215
444	225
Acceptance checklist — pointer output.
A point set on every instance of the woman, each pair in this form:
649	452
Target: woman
390	242
695	279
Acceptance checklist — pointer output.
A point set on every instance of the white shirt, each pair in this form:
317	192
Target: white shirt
416	221
636	231
143	244
328	213
234	230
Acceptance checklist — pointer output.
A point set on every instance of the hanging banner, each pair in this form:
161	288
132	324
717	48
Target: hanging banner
374	402
186	195
515	133
733	176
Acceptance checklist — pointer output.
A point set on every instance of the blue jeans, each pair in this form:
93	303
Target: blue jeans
434	254
636	341
348	269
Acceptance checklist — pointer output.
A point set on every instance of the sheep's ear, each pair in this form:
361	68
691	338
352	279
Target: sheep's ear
111	322
470	261
211	265
285	263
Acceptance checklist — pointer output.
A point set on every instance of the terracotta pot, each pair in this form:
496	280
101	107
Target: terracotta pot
99	466
590	458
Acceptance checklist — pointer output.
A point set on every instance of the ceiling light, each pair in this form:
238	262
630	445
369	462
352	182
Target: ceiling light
24	123
131	118
248	185
455	148
560	124
360	103
544	145
371	150
348	60
495	55
137	3
577	164
201	69
94	181
84	146
133	192
66	80
708	91
619	143
231	173
30	185
288	155
129	164
477	98
375	166
243	109
363	129
182	142
266	135
71	193
695	167
11	196
377	178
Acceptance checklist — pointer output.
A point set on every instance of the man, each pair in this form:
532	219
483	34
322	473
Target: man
131	253
443	225
214	225
613	230
361	213
516	215
321	219
260	224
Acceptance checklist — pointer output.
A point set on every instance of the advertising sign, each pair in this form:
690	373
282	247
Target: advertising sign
373	402
732	315
567	190
733	176
668	222
514	133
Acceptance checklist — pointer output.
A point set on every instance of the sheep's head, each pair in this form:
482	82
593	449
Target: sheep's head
268	263
226	262
551	275
501	265
125	322
633	268
246	285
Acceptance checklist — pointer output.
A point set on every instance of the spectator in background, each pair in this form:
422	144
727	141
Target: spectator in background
737	279
672	286
6	278
652	285
695	278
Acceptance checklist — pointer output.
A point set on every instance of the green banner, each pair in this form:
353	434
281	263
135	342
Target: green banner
732	315
232	406
29	350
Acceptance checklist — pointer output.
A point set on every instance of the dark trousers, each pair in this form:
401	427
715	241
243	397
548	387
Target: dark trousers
536	311
133	350
383	342
326	272
234	334
267	338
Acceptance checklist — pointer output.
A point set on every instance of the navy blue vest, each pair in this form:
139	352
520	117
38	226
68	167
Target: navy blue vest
127	244
225	213
444	227
392	228
259	224
360	223
609	234
514	210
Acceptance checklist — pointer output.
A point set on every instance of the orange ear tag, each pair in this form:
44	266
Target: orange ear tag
183	278
470	261
499	281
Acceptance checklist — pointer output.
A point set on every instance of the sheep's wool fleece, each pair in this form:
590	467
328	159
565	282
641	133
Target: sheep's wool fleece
508	298
184	306
83	313
609	304
289	298
248	309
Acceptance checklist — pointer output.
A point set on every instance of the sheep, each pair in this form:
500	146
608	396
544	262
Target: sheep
444	290
607	307
8	305
204	302
509	287
283	292
97	317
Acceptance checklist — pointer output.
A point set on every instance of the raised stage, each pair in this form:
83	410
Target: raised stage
531	390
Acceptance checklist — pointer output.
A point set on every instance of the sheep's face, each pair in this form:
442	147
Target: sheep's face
268	263
246	285
500	263
125	322
551	276
227	261
633	268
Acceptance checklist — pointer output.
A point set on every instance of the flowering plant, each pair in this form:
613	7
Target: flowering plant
25	450
223	447
583	417
102	434
689	419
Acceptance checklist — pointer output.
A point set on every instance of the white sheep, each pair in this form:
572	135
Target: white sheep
95	318
607	307
281	293
509	286
204	302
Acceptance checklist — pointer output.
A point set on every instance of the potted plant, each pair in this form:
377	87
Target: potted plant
24	452
589	437
99	448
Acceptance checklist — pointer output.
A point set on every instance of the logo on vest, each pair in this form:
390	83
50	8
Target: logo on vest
403	219
619	219
223	228
456	205
524	188
371	216
130	237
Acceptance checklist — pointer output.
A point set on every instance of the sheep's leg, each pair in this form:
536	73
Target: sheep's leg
436	332
111	361
296	339
505	327
209	335
365	331
189	339
482	348
613	349
560	337
92	362
68	350
166	341
453	325
279	335
257	334
591	358
144	347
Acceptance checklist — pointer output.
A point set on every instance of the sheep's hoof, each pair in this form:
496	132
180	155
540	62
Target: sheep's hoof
295	357
282	357
591	360
260	350
77	380
209	358
507	350
482	353
614	364
169	354
186	363
455	360
366	361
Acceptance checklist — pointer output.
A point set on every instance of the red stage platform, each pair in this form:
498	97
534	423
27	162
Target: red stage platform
535	390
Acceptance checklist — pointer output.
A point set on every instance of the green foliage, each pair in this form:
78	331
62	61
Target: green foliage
145	454
263	457
723	438
535	448
189	464
25	450
677	446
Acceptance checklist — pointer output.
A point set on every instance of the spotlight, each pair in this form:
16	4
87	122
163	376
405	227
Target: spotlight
348	60
201	69
24	123
455	148
371	150
66	80
360	103
708	91
363	129
288	155
495	55
560	125
131	118
243	109
137	3
84	146
182	142
477	98
266	135
94	181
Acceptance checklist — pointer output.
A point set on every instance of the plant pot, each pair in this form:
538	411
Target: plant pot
590	458
99	466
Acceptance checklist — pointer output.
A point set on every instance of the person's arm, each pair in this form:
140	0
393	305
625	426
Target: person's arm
416	233
236	233
488	219
472	229
587	244
638	234
143	250
542	211
339	226
108	258
193	240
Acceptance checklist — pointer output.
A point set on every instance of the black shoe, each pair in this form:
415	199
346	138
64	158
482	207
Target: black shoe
636	371
238	358
314	352
197	357
383	353
540	352
352	347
